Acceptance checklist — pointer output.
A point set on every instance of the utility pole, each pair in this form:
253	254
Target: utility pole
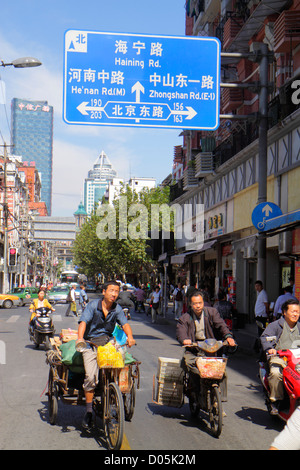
263	56
5	210
262	156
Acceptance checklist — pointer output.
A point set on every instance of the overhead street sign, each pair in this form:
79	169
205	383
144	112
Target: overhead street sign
118	79
264	212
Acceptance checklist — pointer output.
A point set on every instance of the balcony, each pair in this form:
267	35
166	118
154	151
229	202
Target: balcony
231	29
176	190
232	98
287	31
189	178
178	154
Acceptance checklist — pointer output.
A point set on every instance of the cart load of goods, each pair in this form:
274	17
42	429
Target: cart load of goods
168	389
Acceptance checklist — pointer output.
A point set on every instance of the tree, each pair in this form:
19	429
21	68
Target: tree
113	239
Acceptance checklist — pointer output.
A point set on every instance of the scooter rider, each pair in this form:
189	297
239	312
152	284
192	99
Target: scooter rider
38	303
96	324
280	334
198	324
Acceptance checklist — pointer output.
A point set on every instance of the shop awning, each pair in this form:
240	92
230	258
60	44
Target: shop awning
162	257
207	246
180	259
282	222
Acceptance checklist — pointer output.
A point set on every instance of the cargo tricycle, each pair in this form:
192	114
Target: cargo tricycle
114	397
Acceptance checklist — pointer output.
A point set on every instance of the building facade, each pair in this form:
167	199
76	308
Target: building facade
32	138
33	183
221	169
135	184
97	181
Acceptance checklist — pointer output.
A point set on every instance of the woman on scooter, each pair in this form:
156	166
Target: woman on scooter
283	332
38	303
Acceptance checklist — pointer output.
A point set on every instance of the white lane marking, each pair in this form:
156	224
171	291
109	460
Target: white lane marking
13	319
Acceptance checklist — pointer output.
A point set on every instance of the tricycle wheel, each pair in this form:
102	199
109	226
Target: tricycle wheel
47	343
114	417
129	401
52	398
194	406
215	411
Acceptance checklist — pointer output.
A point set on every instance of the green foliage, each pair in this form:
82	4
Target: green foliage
121	254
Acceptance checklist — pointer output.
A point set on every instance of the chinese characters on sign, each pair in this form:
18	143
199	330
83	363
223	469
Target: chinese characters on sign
138	80
33	107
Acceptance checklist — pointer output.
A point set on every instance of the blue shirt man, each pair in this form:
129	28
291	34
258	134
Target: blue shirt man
97	324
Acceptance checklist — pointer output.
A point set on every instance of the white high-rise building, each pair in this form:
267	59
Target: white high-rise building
136	184
95	185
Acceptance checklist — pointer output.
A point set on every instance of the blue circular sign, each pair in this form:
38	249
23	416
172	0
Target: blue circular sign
263	212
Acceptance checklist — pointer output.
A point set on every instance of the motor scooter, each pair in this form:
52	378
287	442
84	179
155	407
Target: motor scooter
127	314
140	306
291	381
41	329
206	394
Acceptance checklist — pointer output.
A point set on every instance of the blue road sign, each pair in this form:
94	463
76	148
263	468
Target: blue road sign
263	212
118	79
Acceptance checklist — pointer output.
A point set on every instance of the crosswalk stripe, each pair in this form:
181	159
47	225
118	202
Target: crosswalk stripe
13	319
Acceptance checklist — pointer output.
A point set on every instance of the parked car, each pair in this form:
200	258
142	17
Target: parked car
25	294
8	300
58	294
90	287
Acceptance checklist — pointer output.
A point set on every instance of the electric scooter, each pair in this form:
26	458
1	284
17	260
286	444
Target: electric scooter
291	381
42	328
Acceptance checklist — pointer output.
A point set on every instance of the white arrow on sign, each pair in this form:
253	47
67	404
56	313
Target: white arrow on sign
190	113
83	108
138	89
267	209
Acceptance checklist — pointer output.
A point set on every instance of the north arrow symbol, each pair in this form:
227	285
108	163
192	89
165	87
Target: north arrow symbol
267	209
138	88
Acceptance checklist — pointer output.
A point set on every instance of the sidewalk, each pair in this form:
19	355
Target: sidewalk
245	337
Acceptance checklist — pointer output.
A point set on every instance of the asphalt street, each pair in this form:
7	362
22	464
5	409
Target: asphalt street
24	405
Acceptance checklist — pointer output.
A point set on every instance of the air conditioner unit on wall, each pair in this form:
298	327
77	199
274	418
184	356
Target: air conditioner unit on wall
285	243
204	164
249	252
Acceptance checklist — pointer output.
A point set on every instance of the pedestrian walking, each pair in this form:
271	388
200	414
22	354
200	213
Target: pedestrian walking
71	299
155	300
178	296
83	298
261	308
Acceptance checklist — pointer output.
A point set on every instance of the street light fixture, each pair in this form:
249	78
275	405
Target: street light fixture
22	63
17	63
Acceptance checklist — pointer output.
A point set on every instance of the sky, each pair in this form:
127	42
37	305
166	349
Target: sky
34	28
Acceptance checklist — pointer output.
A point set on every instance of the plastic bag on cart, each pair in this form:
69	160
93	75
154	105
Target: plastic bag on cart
120	335
70	357
108	356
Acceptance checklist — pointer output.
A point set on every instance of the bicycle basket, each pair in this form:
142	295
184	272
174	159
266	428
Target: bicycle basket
211	367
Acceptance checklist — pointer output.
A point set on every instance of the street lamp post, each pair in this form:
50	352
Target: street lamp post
23	62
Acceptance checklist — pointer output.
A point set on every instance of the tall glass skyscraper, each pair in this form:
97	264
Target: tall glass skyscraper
32	138
96	184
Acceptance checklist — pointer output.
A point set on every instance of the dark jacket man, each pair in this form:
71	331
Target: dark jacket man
214	326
